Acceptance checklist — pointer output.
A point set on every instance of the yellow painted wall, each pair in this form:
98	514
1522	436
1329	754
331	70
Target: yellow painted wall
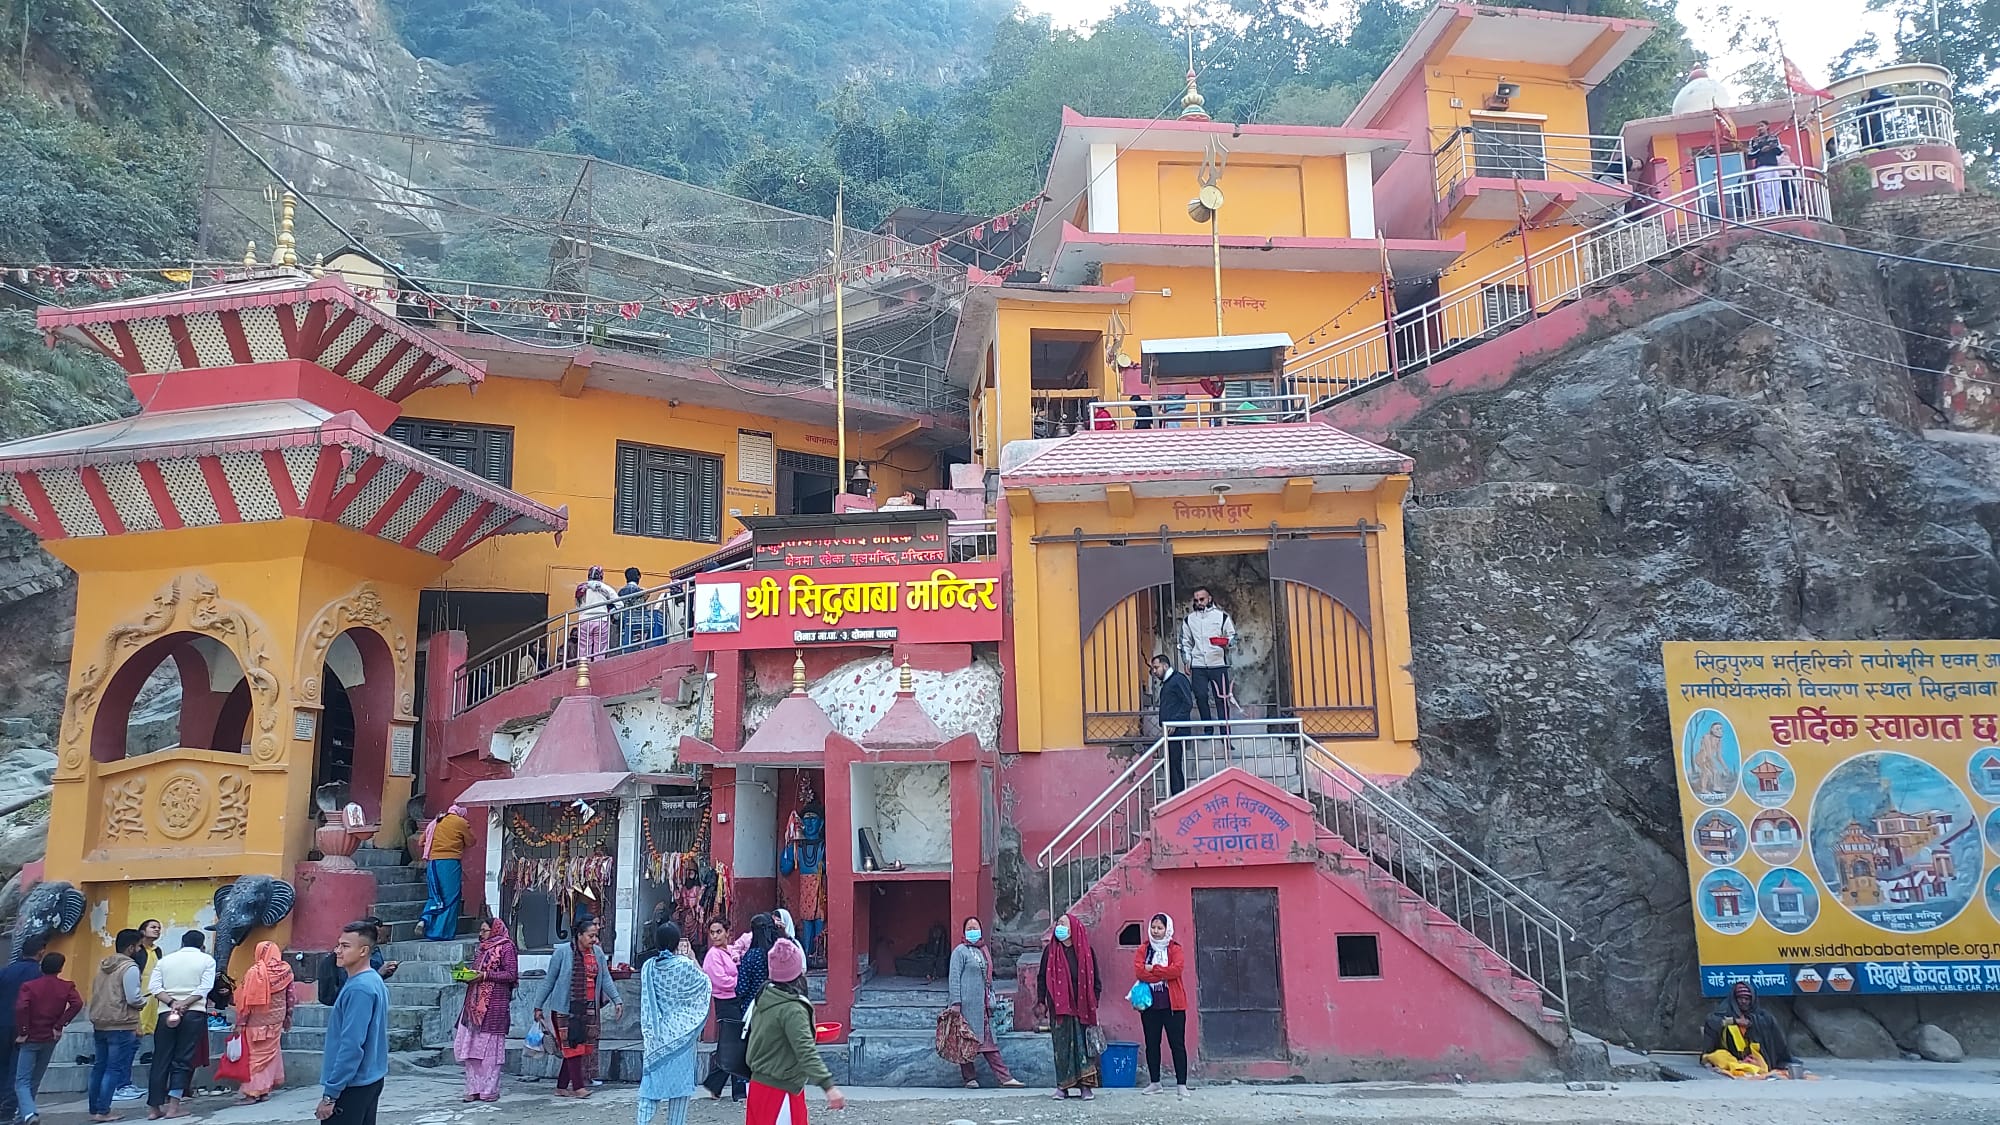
263	591
1272	195
565	452
1300	304
1547	90
1047	672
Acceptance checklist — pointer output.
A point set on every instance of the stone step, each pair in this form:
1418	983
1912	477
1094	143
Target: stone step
66	1076
624	1060
315	1015
404	910
910	1059
314	1038
408	891
411	949
422	972
398	877
372	857
410	931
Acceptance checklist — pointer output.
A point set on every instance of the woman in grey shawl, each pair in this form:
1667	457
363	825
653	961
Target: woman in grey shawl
969	988
673	1008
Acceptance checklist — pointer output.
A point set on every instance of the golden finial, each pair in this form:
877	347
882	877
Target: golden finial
583	675
319	265
250	254
1191	102
798	672
287	253
909	678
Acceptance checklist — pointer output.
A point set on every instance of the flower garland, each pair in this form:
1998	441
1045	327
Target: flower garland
525	832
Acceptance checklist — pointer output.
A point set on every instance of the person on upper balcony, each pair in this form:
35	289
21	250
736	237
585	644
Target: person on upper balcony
1207	635
595	601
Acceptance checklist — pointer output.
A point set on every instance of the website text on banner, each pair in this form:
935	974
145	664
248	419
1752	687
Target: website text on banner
1842	808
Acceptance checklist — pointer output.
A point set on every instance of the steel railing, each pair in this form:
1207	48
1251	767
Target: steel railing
1522	290
653	617
566	318
1178	412
1903	119
1473	152
1399	843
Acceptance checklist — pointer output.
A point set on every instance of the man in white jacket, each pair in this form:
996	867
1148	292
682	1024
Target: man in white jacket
595	602
1207	635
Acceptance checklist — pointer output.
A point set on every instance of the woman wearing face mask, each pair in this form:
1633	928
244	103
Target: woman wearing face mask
1160	963
969	988
1069	994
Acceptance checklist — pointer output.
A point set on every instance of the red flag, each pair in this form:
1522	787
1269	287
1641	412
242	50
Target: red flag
1725	129
1796	81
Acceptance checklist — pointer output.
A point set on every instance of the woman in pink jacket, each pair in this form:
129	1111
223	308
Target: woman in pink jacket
720	965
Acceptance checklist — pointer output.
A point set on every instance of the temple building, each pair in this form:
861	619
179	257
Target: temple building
895	689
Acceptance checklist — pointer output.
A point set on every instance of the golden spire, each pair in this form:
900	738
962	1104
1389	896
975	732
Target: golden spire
287	253
798	672
1191	102
319	265
583	675
909	680
250	254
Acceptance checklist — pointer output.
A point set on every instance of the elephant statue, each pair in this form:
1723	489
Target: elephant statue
249	902
49	910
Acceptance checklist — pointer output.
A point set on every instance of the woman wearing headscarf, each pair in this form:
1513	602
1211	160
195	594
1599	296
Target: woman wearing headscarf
1160	963
786	927
1069	994
673	1008
264	1012
969	988
1741	1039
444	843
576	989
480	1039
782	1054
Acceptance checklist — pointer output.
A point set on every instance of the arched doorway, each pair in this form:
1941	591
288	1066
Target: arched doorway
183	690
359	699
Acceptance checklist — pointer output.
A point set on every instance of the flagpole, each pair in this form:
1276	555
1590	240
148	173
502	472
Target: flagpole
839	338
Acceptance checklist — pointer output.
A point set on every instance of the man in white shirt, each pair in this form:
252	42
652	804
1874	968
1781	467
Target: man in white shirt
1207	635
181	981
595	601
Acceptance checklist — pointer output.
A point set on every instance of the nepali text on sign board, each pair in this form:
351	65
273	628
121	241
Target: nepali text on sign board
1841	802
849	605
904	543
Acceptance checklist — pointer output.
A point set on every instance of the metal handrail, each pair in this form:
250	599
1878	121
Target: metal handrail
1567	157
1398	841
545	648
1515	293
1168	412
1902	119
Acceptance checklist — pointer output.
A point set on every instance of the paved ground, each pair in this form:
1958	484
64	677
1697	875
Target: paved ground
1848	1094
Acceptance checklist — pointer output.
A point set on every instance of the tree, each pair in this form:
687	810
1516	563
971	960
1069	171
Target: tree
1967	43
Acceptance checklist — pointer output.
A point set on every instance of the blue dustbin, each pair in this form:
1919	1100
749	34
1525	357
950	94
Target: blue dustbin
1120	1066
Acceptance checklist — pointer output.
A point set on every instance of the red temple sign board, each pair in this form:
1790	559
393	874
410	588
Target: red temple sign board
914	542
847	606
1233	819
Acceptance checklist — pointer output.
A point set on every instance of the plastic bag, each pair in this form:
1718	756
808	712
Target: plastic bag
234	1065
1141	995
534	1039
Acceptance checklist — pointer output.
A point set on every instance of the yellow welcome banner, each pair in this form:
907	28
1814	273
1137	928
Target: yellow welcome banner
1841	809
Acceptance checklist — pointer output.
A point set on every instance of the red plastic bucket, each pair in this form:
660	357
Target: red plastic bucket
827	1032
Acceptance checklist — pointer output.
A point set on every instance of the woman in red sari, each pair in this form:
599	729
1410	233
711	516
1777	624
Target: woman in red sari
264	1012
480	1039
1069	994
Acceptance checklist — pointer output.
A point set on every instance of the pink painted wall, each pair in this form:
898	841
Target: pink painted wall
1418	1020
1406	195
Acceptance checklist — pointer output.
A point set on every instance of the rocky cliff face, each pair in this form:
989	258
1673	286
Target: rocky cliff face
1755	465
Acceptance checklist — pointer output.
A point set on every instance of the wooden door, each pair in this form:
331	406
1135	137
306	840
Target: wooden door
1241	1002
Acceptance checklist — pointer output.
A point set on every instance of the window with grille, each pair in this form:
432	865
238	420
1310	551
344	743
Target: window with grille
485	450
668	494
1510	150
1504	304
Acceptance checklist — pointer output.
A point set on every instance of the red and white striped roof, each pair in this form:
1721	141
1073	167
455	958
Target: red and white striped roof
255	463
262	320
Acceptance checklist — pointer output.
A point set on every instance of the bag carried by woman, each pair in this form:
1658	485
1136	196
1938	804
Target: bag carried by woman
955	1041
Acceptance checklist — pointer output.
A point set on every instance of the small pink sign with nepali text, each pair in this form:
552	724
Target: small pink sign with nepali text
1233	819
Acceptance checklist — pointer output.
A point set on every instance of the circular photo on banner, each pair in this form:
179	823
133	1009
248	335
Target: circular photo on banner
1896	842
1776	837
1726	901
1993	894
1992	831
1788	900
1711	756
1719	837
1983	771
1769	779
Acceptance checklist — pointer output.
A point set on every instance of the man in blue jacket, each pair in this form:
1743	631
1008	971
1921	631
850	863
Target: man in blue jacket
25	968
357	1035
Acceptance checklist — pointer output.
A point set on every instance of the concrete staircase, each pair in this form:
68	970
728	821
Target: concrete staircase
399	893
892	1042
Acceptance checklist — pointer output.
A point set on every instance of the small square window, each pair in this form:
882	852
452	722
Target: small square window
1132	936
1359	956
